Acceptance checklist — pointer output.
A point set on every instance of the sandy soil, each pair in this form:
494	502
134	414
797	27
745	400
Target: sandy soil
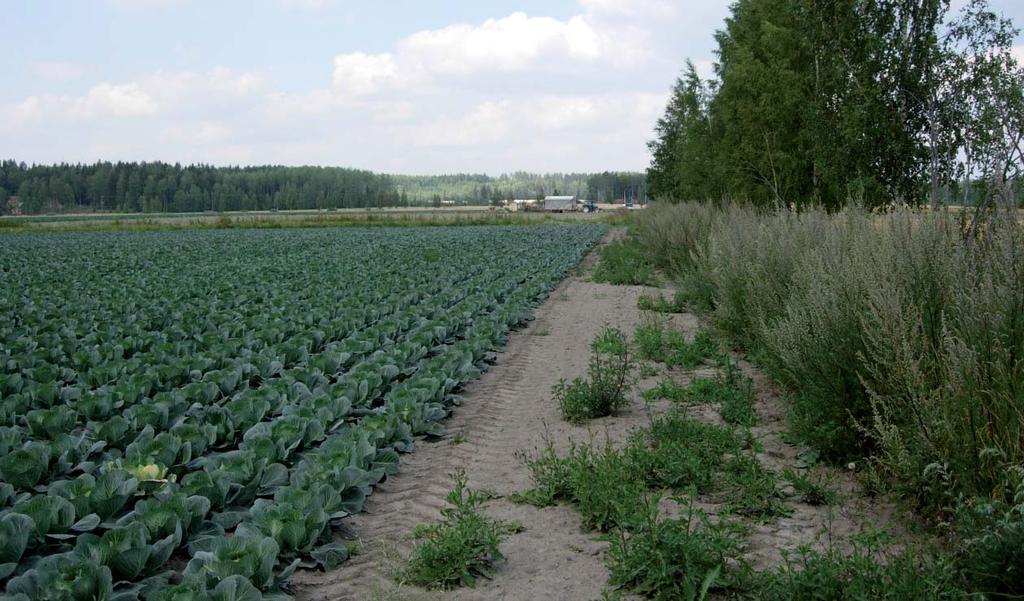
509	412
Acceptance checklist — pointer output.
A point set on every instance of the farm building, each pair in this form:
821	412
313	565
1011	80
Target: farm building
559	203
522	204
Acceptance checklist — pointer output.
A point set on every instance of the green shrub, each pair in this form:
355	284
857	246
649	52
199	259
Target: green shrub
649	340
609	378
733	392
624	262
462	547
897	336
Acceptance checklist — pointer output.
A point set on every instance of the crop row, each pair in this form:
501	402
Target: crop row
220	400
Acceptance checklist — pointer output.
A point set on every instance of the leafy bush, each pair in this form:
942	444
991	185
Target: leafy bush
463	547
609	378
624	262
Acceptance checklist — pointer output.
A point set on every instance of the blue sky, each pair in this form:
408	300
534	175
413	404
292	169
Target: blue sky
395	85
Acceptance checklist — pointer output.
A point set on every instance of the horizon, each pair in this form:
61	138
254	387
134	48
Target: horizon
572	86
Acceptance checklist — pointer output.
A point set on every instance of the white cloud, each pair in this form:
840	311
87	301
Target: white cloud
551	120
124	100
517	91
1018	53
359	73
512	43
515	43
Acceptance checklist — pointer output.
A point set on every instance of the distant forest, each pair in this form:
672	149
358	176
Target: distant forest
163	187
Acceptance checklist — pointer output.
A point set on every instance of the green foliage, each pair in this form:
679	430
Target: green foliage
832	103
680	453
751	489
624	262
895	335
160	187
813	490
865	575
660	304
459	549
605	483
656	343
62	577
251	557
609	378
667	389
682	558
991	549
233	409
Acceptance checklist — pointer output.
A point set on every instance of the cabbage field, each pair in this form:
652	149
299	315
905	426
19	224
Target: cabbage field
187	415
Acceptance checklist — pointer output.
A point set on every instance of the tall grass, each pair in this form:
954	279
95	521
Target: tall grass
898	336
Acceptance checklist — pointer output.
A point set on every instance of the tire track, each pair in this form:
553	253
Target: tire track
506	411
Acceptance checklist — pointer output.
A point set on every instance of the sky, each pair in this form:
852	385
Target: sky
400	86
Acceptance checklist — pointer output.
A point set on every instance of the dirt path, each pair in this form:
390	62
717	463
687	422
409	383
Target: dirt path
509	411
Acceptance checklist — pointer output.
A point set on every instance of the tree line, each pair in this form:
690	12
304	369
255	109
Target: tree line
164	187
873	101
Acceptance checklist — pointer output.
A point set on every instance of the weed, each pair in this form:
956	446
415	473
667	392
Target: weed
649	341
624	262
678	452
666	389
991	552
680	353
676	559
609	377
868	574
812	490
751	490
462	547
648	371
655	343
660	304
